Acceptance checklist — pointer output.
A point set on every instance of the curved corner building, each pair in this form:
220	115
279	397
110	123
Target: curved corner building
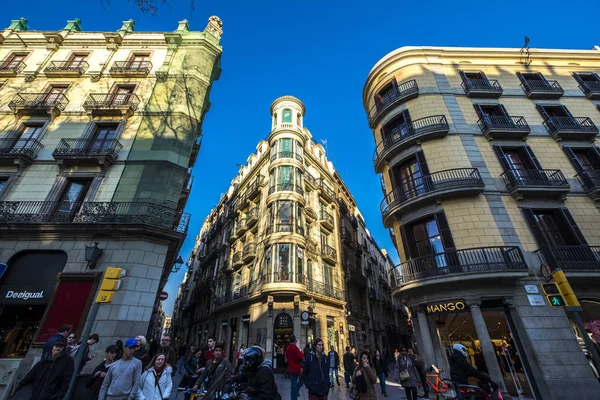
490	169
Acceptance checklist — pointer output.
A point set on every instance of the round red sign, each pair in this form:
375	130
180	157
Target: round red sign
163	296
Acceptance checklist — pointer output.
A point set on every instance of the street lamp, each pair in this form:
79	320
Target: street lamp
92	254
178	264
312	304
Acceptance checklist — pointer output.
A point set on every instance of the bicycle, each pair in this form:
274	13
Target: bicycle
441	387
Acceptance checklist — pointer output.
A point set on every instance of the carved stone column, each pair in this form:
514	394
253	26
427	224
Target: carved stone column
487	348
428	353
297	325
269	338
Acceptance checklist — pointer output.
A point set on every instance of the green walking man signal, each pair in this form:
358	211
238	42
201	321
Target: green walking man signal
553	295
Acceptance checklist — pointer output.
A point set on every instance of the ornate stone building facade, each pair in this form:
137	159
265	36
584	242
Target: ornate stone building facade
98	135
490	168
275	256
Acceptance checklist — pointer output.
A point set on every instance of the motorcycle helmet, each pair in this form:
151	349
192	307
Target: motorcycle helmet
460	348
253	358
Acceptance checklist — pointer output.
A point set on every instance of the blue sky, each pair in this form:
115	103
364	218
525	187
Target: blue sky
321	52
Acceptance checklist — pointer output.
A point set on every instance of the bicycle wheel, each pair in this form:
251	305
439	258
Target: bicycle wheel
450	392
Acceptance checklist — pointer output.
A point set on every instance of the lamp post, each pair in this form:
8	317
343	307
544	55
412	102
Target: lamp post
178	264
92	254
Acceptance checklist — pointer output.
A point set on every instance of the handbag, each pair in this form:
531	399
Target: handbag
404	376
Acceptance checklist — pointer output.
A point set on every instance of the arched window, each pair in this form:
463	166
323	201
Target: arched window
287	116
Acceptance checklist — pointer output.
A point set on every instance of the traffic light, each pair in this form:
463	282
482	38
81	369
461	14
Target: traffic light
553	295
110	284
409	325
565	289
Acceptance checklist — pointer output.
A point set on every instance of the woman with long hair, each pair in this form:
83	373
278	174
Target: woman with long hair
408	374
155	383
364	379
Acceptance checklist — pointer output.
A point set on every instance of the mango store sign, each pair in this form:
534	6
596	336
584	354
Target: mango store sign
450	306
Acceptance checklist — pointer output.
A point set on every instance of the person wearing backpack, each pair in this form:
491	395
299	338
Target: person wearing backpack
156	383
316	372
364	379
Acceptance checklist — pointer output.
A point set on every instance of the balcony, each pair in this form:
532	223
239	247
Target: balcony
15	150
404	92
327	193
233	236
542	89
475	260
195	151
535	182
253	189
591	89
94	216
237	260
188	182
51	104
327	221
321	289
286	187
488	88
406	135
289	228
504	127
311	181
114	104
590	182
86	151
287	154
242	227
346	236
571	258
571	128
416	191
252	217
132	68
249	252
328	254
9	69
66	69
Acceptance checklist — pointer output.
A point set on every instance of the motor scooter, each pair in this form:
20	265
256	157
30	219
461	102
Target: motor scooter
485	390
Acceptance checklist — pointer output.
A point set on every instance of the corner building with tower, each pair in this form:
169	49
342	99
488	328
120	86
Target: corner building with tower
490	168
286	251
99	132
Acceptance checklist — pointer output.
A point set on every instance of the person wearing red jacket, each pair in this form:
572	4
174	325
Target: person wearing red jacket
294	361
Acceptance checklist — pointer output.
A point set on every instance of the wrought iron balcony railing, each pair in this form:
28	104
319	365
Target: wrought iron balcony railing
591	89
70	66
131	68
571	127
38	101
534	177
15	147
403	92
237	258
404	134
11	68
249	248
538	87
241	226
325	217
328	251
108	101
480	259
327	191
287	154
114	213
314	286
419	186
285	228
253	214
589	179
500	126
286	187
571	257
479	87
87	148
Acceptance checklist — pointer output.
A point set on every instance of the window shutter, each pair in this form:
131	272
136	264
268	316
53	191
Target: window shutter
532	158
445	233
394	83
502	157
482	75
521	78
566	110
594	154
503	109
534	226
573	225
479	111
577	78
409	250
542	111
573	158
406	116
422	162
463	76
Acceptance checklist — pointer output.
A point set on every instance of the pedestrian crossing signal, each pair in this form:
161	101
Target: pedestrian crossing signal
553	295
556	301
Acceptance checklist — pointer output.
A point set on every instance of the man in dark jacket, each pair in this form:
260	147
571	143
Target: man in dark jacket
95	382
316	369
334	365
63	332
169	352
218	372
460	369
349	364
257	373
51	376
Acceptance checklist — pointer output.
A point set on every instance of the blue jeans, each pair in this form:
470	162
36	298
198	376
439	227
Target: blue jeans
333	371
382	382
348	378
295	386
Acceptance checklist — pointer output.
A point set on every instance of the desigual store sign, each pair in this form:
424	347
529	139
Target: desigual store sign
451	306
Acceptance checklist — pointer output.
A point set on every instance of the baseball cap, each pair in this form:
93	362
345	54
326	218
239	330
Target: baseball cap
131	342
